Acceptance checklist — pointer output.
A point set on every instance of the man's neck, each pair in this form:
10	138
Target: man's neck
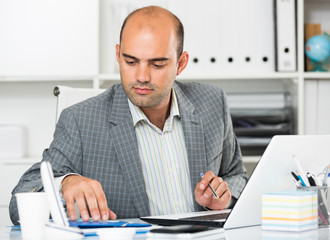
158	116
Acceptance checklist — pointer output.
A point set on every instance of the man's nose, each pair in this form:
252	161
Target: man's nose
143	73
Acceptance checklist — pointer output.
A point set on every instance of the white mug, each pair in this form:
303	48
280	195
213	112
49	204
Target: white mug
33	210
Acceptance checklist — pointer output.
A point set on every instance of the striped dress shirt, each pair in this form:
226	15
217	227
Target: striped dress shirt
164	162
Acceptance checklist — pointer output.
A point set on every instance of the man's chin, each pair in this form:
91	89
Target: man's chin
141	102
144	105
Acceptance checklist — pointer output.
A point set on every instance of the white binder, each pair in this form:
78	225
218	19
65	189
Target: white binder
265	40
248	28
285	35
230	37
194	38
212	37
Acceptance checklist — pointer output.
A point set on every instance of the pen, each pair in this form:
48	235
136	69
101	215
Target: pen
300	170
301	180
297	180
310	179
324	183
212	190
317	181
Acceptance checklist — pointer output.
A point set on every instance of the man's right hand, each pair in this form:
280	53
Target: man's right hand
84	191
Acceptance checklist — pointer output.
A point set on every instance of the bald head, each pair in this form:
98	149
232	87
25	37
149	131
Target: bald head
152	16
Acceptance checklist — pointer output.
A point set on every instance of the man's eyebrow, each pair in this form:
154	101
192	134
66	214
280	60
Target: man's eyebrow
158	59
129	56
149	60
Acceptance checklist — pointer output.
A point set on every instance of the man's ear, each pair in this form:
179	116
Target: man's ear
117	52
182	63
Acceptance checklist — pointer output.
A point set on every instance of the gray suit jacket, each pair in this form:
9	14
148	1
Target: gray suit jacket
96	138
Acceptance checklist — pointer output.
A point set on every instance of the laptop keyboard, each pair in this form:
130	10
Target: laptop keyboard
210	217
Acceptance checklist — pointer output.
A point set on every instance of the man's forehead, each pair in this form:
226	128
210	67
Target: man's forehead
144	47
160	20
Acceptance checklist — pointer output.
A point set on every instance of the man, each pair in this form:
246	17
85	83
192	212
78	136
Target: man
138	149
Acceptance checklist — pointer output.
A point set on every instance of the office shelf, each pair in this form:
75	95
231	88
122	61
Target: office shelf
46	78
20	161
317	75
197	77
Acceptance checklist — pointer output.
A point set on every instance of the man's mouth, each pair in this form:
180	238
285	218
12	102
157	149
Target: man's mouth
142	91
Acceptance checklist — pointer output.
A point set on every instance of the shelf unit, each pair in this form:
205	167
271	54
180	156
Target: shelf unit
316	75
316	85
28	100
104	78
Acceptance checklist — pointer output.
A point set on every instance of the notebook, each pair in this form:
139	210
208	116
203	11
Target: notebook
272	174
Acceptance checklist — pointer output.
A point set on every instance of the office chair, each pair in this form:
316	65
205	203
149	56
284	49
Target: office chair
67	96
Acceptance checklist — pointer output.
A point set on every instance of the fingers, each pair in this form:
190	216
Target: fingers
70	207
202	187
223	192
224	200
204	195
219	186
81	203
96	201
85	192
92	203
112	215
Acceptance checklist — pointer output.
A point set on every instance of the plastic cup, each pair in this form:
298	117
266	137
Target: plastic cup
33	210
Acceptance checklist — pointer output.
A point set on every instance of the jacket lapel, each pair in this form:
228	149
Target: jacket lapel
194	139
125	143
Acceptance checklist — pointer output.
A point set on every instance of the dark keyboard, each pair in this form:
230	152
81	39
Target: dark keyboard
210	217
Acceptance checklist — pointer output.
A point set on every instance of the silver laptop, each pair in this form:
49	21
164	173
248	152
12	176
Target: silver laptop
273	173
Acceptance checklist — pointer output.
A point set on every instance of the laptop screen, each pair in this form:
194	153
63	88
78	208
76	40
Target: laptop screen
272	174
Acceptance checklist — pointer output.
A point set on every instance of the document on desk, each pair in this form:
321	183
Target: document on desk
106	224
117	227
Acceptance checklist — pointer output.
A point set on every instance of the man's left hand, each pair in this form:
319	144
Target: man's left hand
204	196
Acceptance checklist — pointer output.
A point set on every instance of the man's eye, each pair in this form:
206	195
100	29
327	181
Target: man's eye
158	65
130	62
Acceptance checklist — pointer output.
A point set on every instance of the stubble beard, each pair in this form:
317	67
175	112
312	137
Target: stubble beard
148	100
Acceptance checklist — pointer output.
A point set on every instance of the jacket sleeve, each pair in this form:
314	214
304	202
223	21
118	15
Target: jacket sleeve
232	169
65	145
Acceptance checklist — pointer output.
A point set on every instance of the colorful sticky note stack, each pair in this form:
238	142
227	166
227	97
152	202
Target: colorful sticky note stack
289	211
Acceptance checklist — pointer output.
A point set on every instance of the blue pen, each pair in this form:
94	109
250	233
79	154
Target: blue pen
301	180
301	171
212	190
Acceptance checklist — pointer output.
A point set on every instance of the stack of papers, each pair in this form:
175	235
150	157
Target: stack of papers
289	211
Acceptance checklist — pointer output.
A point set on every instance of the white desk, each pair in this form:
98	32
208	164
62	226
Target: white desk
253	233
257	233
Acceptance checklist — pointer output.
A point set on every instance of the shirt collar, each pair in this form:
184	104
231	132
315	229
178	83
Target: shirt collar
138	115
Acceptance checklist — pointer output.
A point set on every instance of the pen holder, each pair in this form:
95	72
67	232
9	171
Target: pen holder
323	203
